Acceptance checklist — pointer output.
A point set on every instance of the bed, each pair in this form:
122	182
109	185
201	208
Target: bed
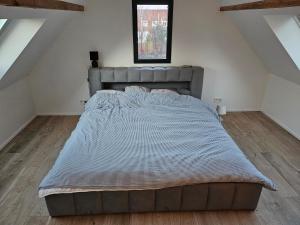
135	152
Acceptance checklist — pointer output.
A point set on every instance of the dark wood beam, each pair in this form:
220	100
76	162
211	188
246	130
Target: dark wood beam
43	4
267	4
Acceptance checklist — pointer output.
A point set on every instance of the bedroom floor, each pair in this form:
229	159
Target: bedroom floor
29	156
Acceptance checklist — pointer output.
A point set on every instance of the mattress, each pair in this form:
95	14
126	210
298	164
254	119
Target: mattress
137	141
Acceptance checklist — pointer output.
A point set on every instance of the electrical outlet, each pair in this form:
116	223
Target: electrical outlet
83	102
217	100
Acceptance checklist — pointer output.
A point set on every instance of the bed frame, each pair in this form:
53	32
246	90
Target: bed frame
200	197
186	78
197	197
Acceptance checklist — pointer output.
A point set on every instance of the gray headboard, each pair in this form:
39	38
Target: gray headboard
190	78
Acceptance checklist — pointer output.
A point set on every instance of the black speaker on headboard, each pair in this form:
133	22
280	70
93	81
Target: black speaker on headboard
94	57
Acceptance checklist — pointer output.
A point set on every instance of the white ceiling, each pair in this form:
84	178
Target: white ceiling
55	20
251	24
261	37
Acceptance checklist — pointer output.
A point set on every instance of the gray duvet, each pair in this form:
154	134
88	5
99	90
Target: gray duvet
137	141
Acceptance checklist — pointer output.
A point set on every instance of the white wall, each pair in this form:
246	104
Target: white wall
16	110
281	103
201	36
264	30
259	34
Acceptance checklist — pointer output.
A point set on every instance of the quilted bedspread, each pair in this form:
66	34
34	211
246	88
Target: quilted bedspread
138	141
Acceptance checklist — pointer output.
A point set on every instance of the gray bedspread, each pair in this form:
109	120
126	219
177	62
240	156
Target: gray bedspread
137	141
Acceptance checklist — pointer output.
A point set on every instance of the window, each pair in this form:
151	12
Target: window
15	39
152	30
298	20
2	24
287	30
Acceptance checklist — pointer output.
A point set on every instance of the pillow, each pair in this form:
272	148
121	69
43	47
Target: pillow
108	91
184	92
163	91
136	89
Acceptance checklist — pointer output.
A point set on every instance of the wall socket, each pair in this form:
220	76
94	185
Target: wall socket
83	102
217	100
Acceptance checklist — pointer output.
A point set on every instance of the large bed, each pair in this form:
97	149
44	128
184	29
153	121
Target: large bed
136	151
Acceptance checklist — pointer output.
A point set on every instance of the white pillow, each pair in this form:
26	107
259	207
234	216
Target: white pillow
163	91
109	91
136	89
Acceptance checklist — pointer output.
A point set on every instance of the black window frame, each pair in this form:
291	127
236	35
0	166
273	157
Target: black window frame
170	4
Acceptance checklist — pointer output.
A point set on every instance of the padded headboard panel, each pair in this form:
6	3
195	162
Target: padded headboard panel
190	78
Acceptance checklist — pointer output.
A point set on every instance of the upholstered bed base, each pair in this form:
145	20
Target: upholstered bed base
213	196
189	78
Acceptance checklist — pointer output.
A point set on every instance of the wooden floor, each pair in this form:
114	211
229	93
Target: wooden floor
25	161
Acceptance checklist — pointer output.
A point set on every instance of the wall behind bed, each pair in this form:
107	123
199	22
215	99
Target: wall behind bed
201	36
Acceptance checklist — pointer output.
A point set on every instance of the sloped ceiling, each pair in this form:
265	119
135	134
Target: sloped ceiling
55	21
261	37
251	23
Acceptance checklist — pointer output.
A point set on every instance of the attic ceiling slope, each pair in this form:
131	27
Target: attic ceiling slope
45	4
258	33
54	23
262	4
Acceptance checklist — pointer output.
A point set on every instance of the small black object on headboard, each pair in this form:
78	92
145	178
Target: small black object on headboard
187	78
94	57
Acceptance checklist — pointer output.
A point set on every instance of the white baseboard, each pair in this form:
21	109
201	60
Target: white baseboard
2	145
60	114
282	125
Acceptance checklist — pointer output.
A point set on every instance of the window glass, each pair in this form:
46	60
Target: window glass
152	40
152	31
2	23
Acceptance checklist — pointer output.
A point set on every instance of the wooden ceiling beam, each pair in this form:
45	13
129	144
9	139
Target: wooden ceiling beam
267	4
43	4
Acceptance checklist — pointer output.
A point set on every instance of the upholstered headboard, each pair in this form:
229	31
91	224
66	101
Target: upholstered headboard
187	78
